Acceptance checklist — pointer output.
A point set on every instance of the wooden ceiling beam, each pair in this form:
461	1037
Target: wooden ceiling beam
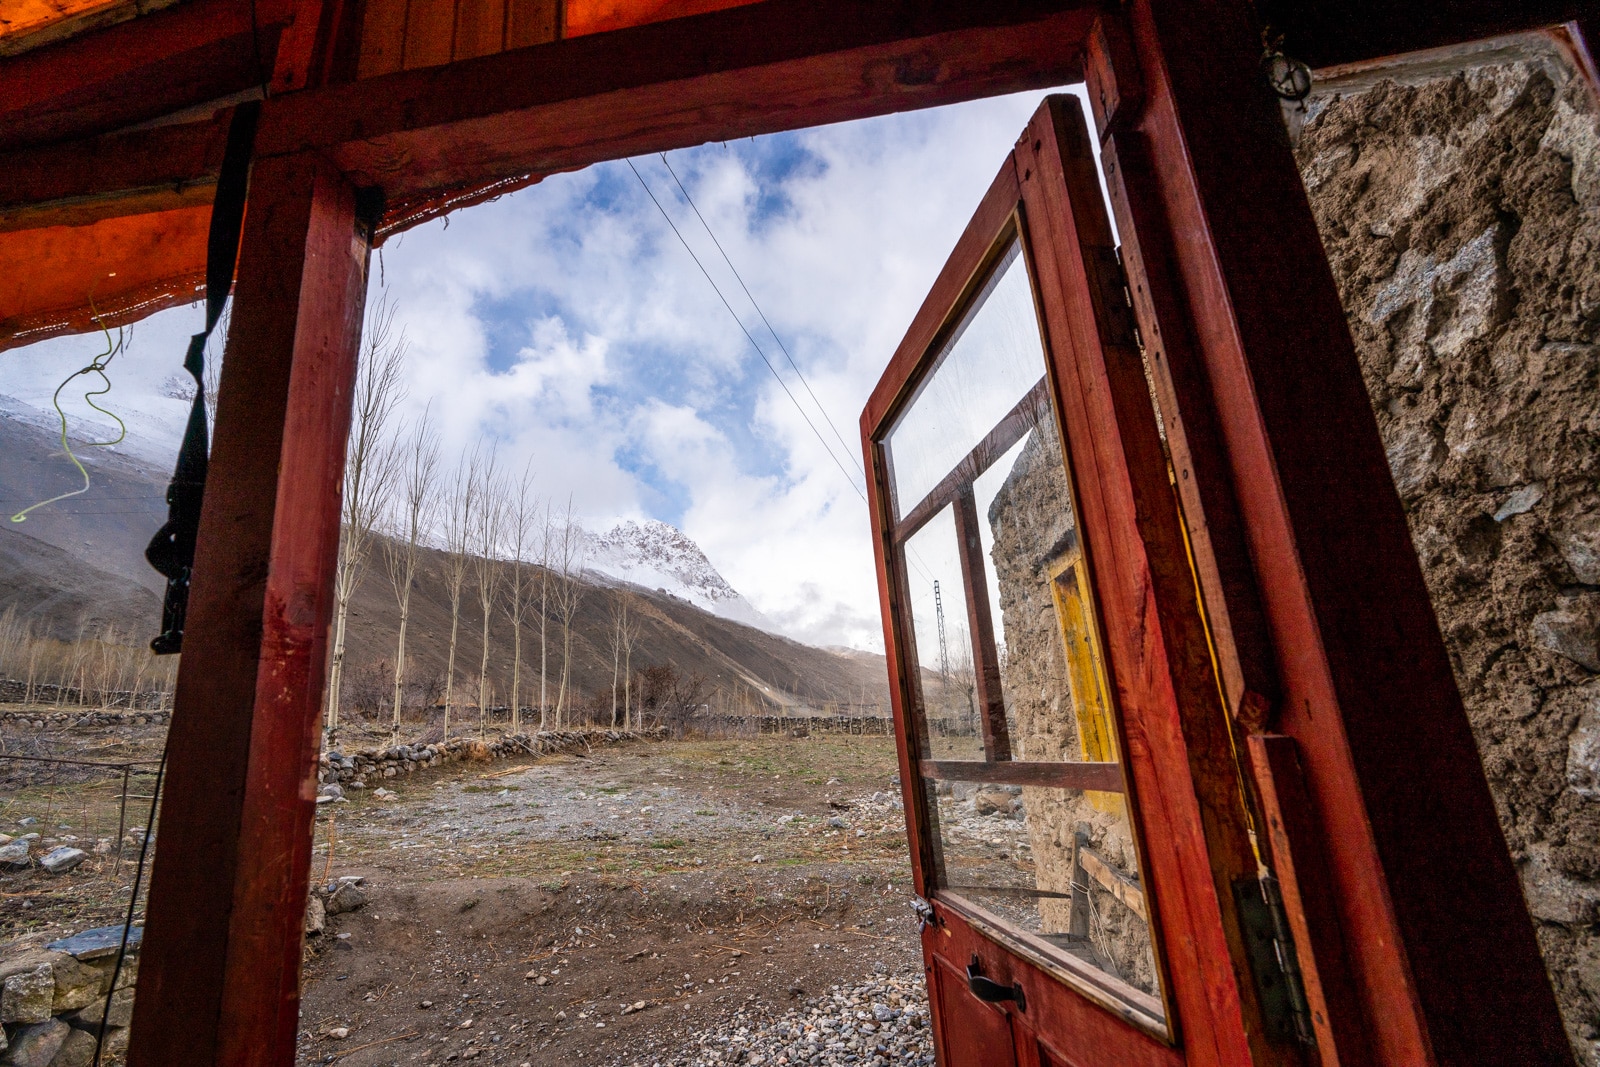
776	65
139	70
119	174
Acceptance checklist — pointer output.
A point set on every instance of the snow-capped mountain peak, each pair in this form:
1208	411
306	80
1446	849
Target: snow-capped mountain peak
658	555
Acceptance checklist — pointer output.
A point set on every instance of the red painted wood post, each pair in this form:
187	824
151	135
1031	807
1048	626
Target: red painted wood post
1439	941
219	979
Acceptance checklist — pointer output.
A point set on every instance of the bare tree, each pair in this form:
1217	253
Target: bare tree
521	519
624	635
619	610
417	481
546	538
567	556
368	472
631	622
487	565
459	518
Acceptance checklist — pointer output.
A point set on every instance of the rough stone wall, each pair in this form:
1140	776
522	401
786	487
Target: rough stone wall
1031	519
1462	219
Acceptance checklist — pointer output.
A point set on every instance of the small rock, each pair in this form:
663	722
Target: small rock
1520	502
333	791
77	985
348	897
37	1045
88	1018
76	1051
993	802
63	859
1569	631
338	1033
14	857
28	821
838	823
316	916
98	943
26	997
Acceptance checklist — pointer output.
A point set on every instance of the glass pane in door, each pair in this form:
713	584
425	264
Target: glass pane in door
1016	721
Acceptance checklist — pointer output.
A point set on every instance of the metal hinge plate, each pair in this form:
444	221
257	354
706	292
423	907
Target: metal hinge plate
1270	945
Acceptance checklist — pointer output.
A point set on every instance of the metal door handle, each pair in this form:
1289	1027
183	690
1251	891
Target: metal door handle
990	991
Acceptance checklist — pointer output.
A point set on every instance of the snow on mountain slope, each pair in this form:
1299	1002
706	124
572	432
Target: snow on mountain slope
657	555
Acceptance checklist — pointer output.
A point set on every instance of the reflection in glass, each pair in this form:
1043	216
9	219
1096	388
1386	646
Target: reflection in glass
946	679
1025	855
987	367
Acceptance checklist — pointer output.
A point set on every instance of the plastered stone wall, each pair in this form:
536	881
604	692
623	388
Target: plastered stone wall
1461	215
1031	519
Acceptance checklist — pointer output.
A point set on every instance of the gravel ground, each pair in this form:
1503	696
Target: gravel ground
881	1021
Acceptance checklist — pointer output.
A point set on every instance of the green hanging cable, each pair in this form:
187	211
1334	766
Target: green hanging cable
96	366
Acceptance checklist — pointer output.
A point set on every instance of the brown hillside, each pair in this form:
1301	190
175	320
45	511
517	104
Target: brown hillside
739	662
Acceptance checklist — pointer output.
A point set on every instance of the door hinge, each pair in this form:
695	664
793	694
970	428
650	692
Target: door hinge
1270	946
925	913
1124	320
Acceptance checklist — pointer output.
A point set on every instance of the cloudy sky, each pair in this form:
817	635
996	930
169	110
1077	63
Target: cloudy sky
569	324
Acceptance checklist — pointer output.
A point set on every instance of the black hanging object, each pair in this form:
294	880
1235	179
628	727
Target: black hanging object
171	550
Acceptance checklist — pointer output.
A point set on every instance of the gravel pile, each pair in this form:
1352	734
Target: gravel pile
881	1021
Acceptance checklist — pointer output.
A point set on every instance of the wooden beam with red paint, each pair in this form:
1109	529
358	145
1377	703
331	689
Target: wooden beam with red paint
219	977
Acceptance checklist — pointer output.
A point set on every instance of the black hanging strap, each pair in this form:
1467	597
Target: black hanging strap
171	551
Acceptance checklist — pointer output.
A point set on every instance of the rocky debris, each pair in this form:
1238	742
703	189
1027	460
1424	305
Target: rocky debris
880	1021
63	859
351	771
14	856
89	1016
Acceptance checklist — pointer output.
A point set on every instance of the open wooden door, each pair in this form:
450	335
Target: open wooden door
1077	811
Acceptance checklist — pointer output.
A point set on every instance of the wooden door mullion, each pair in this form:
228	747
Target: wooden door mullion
980	628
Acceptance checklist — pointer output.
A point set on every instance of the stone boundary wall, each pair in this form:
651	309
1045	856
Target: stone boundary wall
336	767
796	725
92	717
53	998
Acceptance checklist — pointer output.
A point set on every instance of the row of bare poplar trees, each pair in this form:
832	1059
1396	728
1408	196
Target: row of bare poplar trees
524	559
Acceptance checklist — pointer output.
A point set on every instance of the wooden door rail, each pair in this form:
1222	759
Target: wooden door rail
1105	777
1032	409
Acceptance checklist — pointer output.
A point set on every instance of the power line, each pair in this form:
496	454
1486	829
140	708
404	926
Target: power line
755	304
911	556
779	378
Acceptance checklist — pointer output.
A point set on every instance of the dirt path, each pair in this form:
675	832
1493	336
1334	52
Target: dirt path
524	917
